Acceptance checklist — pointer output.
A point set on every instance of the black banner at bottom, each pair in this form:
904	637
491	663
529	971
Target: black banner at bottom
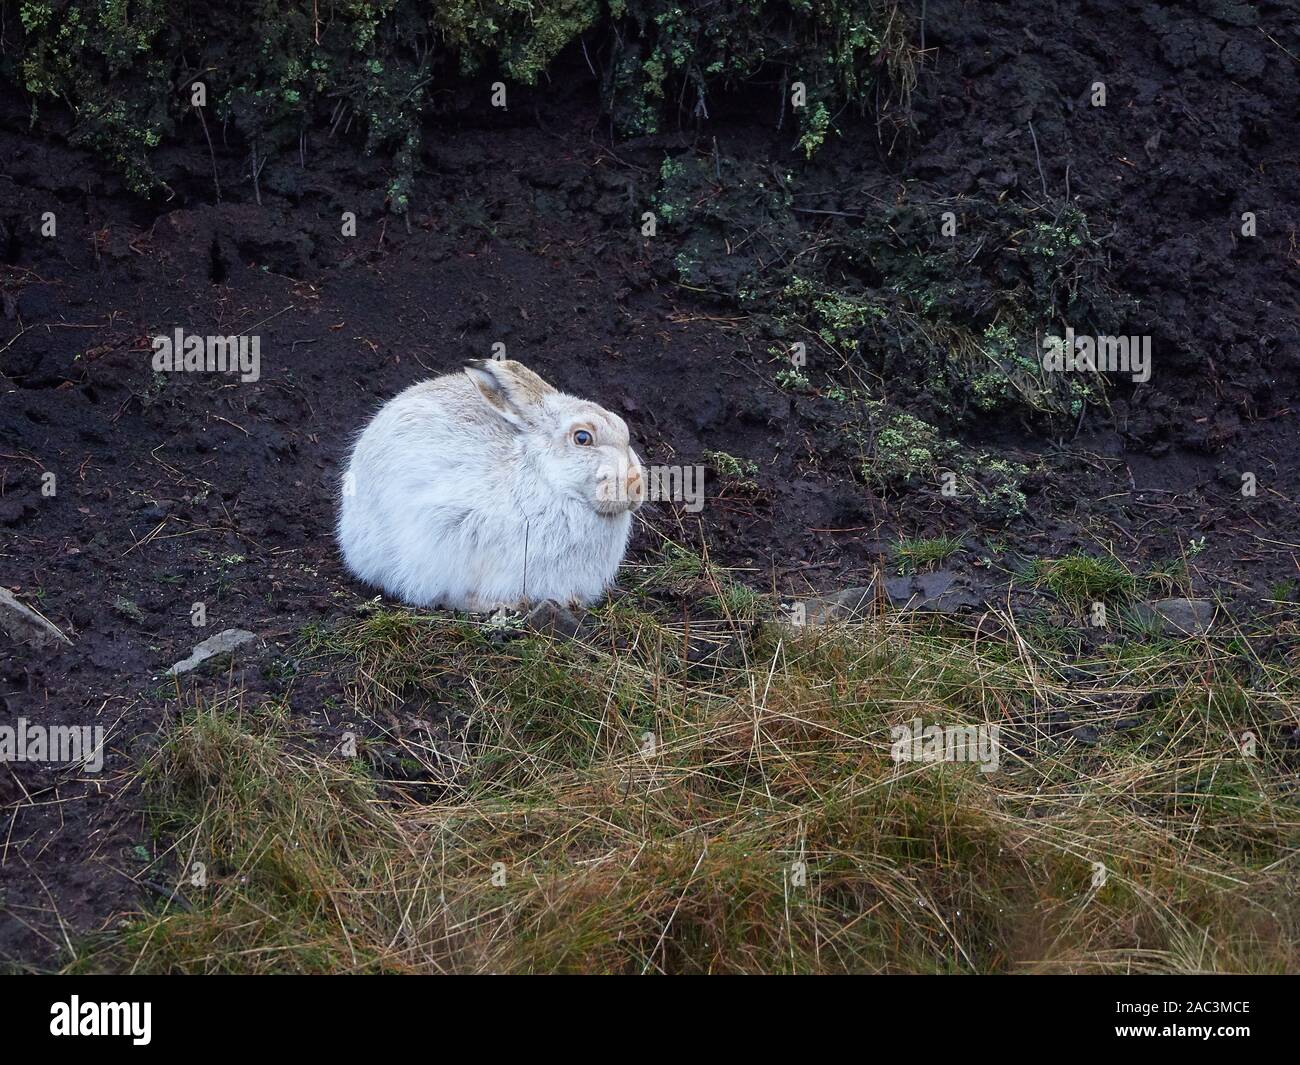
216	1014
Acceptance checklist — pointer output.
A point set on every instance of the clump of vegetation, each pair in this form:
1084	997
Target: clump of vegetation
821	57
793	380
835	316
670	197
961	318
1080	579
621	809
952	307
1083	578
741	471
914	554
106	62
687	575
372	66
905	453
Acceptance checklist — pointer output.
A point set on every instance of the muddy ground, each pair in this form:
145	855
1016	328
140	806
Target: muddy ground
199	488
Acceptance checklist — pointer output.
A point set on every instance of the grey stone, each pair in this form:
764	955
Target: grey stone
938	590
941	591
25	625
1181	617
550	618
846	605
214	646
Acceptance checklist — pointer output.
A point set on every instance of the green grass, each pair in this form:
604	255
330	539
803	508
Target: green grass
1080	578
740	471
922	553
621	807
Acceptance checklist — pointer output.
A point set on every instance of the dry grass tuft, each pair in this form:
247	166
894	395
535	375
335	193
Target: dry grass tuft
627	807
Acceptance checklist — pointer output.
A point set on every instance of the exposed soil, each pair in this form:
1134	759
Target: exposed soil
199	488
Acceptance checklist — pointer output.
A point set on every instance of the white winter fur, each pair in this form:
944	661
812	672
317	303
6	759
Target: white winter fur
472	491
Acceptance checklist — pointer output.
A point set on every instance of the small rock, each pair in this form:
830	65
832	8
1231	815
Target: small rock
769	409
1181	617
1153	699
941	591
222	643
1088	735
128	609
157	511
552	619
13	510
708	655
846	605
25	625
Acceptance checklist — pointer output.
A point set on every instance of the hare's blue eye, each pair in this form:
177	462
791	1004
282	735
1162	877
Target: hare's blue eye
582	438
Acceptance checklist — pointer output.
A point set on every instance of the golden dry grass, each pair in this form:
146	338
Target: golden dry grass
622	808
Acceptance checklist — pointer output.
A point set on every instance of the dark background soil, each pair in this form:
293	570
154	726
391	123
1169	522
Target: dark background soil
524	230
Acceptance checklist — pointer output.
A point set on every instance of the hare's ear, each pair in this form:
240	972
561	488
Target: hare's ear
510	388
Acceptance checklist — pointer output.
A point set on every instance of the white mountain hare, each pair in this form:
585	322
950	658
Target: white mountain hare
490	488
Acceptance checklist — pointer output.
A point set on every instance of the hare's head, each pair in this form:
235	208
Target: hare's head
576	448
